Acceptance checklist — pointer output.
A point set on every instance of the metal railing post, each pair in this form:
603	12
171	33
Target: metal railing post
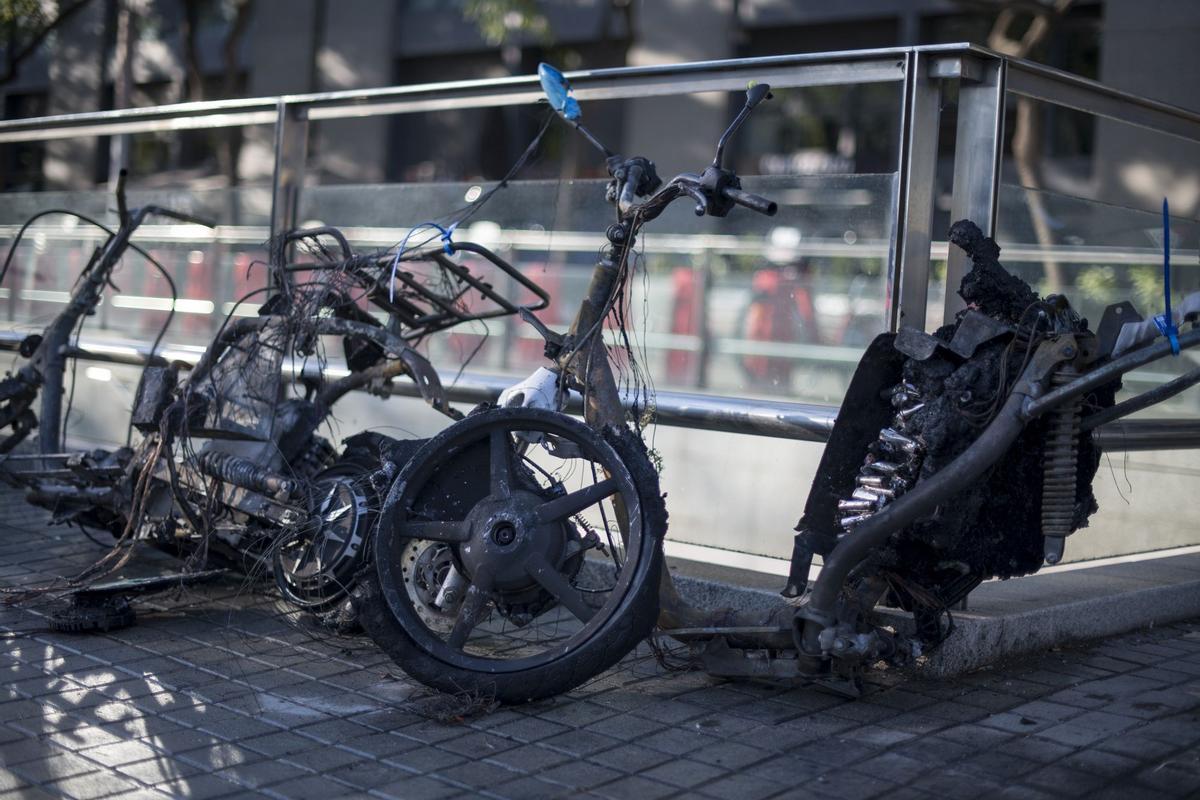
703	323
291	151
912	222
978	149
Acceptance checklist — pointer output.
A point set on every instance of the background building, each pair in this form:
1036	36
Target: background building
202	49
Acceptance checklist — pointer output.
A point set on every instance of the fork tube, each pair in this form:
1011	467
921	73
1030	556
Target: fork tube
602	406
53	354
589	363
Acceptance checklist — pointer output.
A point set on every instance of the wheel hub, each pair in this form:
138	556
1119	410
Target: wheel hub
504	536
316	563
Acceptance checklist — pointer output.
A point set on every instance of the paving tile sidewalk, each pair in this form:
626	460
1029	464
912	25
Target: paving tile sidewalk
217	691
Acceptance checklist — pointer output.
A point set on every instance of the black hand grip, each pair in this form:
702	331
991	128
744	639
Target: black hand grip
753	202
159	211
633	178
757	93
122	208
180	216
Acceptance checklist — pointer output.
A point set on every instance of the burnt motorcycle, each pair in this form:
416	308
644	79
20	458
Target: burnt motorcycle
959	456
231	467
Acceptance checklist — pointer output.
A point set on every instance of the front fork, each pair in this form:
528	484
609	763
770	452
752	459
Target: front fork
581	359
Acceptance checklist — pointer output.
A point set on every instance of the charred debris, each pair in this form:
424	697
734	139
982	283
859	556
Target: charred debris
920	401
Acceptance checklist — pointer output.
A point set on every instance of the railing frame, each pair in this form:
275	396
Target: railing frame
984	80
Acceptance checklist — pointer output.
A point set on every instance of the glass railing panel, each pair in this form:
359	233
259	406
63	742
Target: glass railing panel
746	305
1097	254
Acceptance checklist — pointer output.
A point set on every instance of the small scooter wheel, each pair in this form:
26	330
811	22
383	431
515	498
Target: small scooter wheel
553	560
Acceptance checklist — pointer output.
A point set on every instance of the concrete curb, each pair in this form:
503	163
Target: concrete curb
1017	617
980	640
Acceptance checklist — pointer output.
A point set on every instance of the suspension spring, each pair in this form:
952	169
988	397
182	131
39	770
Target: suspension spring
244	473
1061	461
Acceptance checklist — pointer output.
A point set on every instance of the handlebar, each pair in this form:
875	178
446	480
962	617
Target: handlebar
753	202
633	179
159	211
140	214
715	192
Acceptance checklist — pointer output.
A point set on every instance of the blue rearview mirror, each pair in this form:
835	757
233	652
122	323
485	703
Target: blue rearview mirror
558	92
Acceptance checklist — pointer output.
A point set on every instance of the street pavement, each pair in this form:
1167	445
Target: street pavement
219	691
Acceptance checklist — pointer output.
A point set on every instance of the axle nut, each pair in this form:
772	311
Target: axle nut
504	534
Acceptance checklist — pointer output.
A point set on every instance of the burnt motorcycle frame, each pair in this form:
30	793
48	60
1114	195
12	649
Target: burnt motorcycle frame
48	352
97	489
826	637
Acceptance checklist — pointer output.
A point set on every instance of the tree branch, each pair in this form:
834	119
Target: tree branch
230	141
191	50
17	57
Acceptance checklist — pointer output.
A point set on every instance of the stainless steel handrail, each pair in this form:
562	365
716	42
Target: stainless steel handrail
802	421
806	422
882	64
808	69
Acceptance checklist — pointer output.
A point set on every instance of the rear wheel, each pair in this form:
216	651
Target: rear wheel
517	555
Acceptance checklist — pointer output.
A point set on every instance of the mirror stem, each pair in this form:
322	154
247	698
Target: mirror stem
592	139
729	132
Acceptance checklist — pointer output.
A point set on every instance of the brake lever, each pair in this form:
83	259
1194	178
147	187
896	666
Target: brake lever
698	195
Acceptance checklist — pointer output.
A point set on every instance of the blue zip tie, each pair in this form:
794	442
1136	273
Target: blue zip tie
1165	322
447	247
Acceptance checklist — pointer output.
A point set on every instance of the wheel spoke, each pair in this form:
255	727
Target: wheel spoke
501	466
336	514
573	503
441	531
306	555
554	582
473	610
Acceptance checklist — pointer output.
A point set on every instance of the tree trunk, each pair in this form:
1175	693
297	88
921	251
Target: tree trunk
118	152
194	76
1026	146
229	144
15	55
231	140
1027	132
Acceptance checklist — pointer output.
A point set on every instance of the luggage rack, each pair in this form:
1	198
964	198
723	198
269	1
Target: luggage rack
421	304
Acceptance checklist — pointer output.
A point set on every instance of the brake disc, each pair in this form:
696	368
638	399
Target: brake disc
433	582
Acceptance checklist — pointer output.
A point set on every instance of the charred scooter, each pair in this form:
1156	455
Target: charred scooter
71	483
231	467
960	456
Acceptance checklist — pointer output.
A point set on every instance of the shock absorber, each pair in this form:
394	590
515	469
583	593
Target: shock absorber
1061	461
244	473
